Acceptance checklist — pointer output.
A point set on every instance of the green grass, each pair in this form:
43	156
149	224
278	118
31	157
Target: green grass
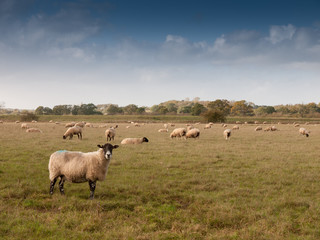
257	185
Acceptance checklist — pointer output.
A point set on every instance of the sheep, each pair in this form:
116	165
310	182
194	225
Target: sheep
127	126
111	132
172	124
193	133
24	126
1	121
224	125
17	121
304	131
34	121
227	133
80	124
211	123
271	128
256	122
165	125
178	132
103	126
57	123
51	121
297	125
235	127
163	130
70	124
89	125
78	167
137	125
73	131
238	122
134	140
207	126
33	130
259	128
307	123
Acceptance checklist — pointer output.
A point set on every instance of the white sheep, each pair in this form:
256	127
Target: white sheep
110	133
24	126
193	133
137	125
70	124
259	128
297	125
134	140
163	130
304	131
256	122
34	121
33	130
78	167
207	126
73	131
190	127
224	125
227	133
80	124
235	127
89	125
178	132
165	125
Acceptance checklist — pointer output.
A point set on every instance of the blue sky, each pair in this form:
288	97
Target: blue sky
146	52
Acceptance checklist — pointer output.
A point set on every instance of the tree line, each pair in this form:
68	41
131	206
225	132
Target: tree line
219	108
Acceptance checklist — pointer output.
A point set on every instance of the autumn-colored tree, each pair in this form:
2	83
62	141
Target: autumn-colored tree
242	108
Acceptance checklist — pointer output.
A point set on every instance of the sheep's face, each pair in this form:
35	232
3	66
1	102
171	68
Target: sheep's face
107	149
145	139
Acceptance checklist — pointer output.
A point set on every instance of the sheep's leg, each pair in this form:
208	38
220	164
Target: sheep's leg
61	185
52	183
80	136
92	186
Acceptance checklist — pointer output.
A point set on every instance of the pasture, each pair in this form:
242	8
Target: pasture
257	185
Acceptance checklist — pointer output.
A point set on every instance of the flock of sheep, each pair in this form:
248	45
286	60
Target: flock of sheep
90	167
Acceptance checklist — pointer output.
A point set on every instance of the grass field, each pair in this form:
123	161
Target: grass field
257	185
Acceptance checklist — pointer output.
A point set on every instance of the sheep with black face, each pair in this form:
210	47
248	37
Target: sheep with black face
78	167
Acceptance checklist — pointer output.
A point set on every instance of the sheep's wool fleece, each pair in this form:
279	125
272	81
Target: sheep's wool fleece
78	167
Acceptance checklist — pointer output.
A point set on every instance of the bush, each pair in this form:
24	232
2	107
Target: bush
214	116
28	117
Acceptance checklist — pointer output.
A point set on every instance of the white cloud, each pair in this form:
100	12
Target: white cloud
280	33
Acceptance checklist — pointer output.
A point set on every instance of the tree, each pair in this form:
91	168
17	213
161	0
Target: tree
62	109
264	110
172	107
221	105
114	109
130	109
185	109
88	109
141	110
242	108
197	109
163	110
214	115
39	110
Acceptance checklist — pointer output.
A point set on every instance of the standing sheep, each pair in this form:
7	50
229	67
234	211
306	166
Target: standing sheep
78	167
259	128
235	127
207	126
70	124
193	133
304	131
134	140
73	131
163	130
178	132
111	133
24	126
80	124
227	133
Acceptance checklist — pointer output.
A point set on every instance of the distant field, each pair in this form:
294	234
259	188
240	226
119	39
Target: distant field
257	185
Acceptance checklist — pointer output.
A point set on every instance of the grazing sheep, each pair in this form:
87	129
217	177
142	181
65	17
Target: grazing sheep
24	126
227	133
163	130
57	123
271	128
110	133
78	167
80	124
137	125
178	132
17	122
103	126
50	121
238	122
127	126
259	128
1	121
211	123
297	125
264	122
34	121
89	125
256	122
235	127
207	126
70	124
193	133
304	131
33	130
73	131
165	125
134	140
171	124
224	125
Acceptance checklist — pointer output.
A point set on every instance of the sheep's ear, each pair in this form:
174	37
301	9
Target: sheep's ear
115	146
100	146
